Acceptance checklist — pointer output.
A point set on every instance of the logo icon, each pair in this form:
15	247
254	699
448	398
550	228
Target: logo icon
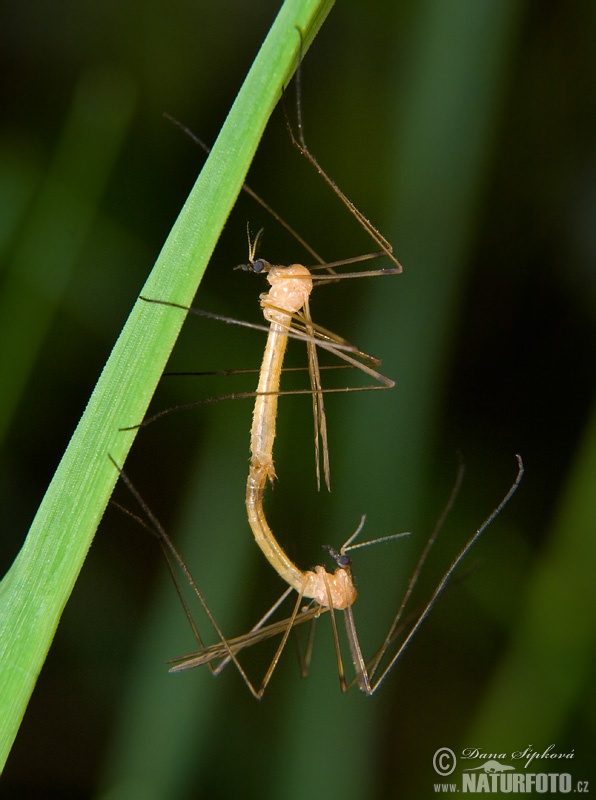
491	767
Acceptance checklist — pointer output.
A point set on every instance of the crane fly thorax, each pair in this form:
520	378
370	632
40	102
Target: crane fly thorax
290	290
339	586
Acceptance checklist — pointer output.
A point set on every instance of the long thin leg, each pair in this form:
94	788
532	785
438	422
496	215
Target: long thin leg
316	336
418	569
318	405
365	673
299	143
447	576
340	664
228	648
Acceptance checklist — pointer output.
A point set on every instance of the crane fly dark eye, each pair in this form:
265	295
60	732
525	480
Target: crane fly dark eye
258	266
341	559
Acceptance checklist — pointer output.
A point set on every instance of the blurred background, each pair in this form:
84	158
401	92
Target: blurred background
465	131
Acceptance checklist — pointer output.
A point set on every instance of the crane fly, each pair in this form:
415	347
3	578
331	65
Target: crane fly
318	591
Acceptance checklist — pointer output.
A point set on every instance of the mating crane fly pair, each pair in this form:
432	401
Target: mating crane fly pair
286	311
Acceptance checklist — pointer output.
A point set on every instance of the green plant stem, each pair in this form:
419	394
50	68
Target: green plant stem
36	588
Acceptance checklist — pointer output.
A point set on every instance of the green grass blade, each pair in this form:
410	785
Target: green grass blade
36	589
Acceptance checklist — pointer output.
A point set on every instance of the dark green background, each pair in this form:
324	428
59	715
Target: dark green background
465	131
